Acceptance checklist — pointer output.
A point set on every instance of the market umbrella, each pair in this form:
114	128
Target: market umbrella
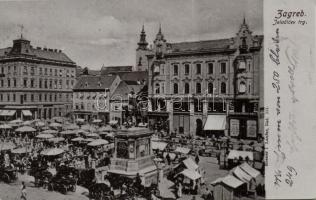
71	127
55	125
82	131
88	140
97	121
49	131
27	123
105	128
77	139
6	146
24	129
39	124
111	134
68	132
113	122
58	119
45	136
5	126
21	150
52	152
88	128
98	142
16	121
92	135
56	139
79	120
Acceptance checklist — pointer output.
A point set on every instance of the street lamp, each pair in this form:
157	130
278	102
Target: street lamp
214	89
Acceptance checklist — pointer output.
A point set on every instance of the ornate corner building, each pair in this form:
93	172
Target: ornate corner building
212	87
35	82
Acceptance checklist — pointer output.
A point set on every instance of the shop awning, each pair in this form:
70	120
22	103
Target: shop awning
231	181
190	164
215	122
182	150
7	113
26	113
193	175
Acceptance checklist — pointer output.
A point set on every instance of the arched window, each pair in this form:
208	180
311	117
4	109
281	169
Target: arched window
223	88
242	87
175	88
157	88
198	88
210	88
186	88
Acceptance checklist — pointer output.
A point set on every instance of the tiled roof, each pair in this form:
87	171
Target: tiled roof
41	53
115	69
133	76
94	82
199	45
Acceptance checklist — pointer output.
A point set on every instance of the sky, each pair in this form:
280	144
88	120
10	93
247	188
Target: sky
94	33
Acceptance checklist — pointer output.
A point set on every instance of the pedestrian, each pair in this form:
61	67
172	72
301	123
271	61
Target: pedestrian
23	191
197	159
168	159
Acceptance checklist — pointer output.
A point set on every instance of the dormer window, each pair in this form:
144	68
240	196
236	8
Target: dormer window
156	69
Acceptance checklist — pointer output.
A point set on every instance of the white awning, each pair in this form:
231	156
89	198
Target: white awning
26	113
231	181
193	175
215	122
7	113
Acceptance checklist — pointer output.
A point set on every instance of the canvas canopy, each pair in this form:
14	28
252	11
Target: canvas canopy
7	112
241	174
232	181
215	122
158	145
235	154
182	150
190	164
193	175
26	113
250	170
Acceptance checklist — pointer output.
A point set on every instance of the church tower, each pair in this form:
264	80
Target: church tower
160	45
141	51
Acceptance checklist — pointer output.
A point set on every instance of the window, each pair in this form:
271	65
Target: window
50	84
210	68
175	88
14	97
45	84
8	97
32	83
157	88
223	88
40	97
242	87
72	83
186	88
51	72
25	70
67	84
186	69
1	82
55	97
1	97
60	72
25	82
9	69
242	65
223	68
50	97
32	97
25	97
175	70
198	88
14	68
210	88
45	97
40	83
9	82
198	68
55	72
32	71
45	71
14	82
60	84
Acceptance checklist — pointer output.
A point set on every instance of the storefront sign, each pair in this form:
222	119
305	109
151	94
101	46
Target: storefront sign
252	128
234	127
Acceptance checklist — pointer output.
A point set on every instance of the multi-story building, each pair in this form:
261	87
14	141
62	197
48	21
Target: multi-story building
106	97
207	87
35	82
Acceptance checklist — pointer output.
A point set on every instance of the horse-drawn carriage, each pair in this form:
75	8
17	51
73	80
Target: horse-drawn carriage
65	180
100	191
7	174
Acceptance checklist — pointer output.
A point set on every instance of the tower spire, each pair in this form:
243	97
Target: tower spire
142	44
159	32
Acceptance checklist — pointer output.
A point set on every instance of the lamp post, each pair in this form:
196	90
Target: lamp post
214	89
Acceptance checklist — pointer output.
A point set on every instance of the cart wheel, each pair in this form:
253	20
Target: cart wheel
5	177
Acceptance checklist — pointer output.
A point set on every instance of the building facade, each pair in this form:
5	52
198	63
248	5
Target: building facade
207	87
35	82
